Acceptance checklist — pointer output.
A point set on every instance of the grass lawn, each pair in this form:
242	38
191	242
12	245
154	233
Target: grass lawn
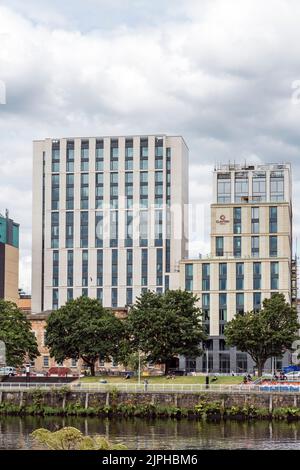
158	380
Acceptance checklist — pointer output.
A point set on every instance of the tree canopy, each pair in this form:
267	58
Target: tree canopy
163	326
264	334
16	333
82	328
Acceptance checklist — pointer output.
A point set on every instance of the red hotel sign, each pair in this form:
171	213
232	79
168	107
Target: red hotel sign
222	220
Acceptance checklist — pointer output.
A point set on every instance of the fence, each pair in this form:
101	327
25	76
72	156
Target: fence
155	388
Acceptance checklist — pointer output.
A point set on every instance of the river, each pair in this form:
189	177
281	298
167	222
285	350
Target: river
159	434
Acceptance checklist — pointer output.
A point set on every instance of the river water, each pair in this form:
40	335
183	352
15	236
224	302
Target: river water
159	434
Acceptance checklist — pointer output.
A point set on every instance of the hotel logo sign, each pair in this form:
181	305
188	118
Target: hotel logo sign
222	220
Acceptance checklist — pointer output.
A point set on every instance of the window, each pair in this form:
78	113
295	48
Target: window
168	175
224	188
259	186
256	301
159	188
239	276
114	223
158	229
69	294
128	228
55	268
55	192
159	267
222	312
274	275
189	277
73	362
273	246
114	190
54	299
70	156
241	362
277	186
129	154
159	152
219	246
114	297
99	229
129	267
45	361
114	267
143	229
129	296
273	220
256	276
168	255
99	190
222	276
237	220
99	294
206	312
55	156
129	189
241	186
167	283
205	276
84	191
114	154
70	268
144	189
99	267
69	229
144	154
54	230
240	304
144	266
99	155
84	229
255	247
70	191
85	292
237	247
84	155
85	268
255	219
224	363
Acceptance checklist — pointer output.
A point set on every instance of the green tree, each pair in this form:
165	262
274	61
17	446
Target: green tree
70	438
16	333
264	334
163	326
82	328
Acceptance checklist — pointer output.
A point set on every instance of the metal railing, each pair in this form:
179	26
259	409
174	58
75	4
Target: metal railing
154	388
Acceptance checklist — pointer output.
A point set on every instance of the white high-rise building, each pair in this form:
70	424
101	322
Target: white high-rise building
108	217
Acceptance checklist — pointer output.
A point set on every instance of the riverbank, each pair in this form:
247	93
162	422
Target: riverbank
207	405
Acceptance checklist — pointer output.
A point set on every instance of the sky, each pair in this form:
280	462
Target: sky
224	74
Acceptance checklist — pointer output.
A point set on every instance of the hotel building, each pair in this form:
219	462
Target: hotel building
251	257
104	209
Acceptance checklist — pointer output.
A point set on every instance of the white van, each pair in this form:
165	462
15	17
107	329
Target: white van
11	371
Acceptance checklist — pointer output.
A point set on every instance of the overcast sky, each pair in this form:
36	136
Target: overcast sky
219	72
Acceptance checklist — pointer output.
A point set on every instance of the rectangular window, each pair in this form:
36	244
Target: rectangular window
99	190
255	247
237	247
237	220
273	246
159	267
129	189
99	155
205	276
256	301
85	292
84	229
144	189
222	276
114	190
70	191
85	268
274	275
241	187
240	304
189	277
99	267
222	312
114	154
273	220
219	246
45	361
168	175
55	156
99	229
114	230
84	155
128	228
84	191
69	294
239	276
99	295
168	255
255	219
224	188
54	230
55	192
159	187
54	299
259	186
256	276
114	297
55	268
129	296
144	154
143	229
277	186
114	267
158	229
129	267
206	312
69	229
129	154
70	156
159	153
70	268
144	265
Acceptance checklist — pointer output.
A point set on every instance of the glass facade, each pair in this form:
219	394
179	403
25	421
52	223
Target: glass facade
224	188
277	186
144	266
273	246
239	276
219	246
205	277
259	186
189	277
241	186
273	228
274	281
237	220
85	268
254	219
256	276
237	247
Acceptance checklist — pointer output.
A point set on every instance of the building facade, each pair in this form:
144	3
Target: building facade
104	210
9	259
251	257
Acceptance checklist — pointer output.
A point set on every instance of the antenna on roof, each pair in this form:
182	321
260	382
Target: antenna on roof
6	213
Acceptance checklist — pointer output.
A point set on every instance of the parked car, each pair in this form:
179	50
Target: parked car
10	371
